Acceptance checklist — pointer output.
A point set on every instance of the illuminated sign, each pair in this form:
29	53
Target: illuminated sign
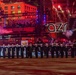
56	28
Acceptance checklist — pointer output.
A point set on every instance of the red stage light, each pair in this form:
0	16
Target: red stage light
59	6
26	16
53	6
31	16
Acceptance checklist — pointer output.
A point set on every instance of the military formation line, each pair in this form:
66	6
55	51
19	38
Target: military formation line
53	50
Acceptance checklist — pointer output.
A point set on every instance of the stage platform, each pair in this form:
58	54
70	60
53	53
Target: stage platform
44	66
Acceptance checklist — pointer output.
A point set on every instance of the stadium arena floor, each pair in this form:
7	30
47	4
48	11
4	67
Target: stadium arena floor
44	66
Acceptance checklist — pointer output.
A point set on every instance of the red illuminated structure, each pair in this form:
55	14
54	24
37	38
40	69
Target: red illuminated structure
18	11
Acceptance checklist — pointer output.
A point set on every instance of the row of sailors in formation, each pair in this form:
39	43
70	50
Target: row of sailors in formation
54	49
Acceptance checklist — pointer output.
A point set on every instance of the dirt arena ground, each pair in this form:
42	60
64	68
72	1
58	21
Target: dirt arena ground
45	66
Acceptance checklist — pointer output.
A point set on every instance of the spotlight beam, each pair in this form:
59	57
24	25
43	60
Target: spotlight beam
62	12
57	14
